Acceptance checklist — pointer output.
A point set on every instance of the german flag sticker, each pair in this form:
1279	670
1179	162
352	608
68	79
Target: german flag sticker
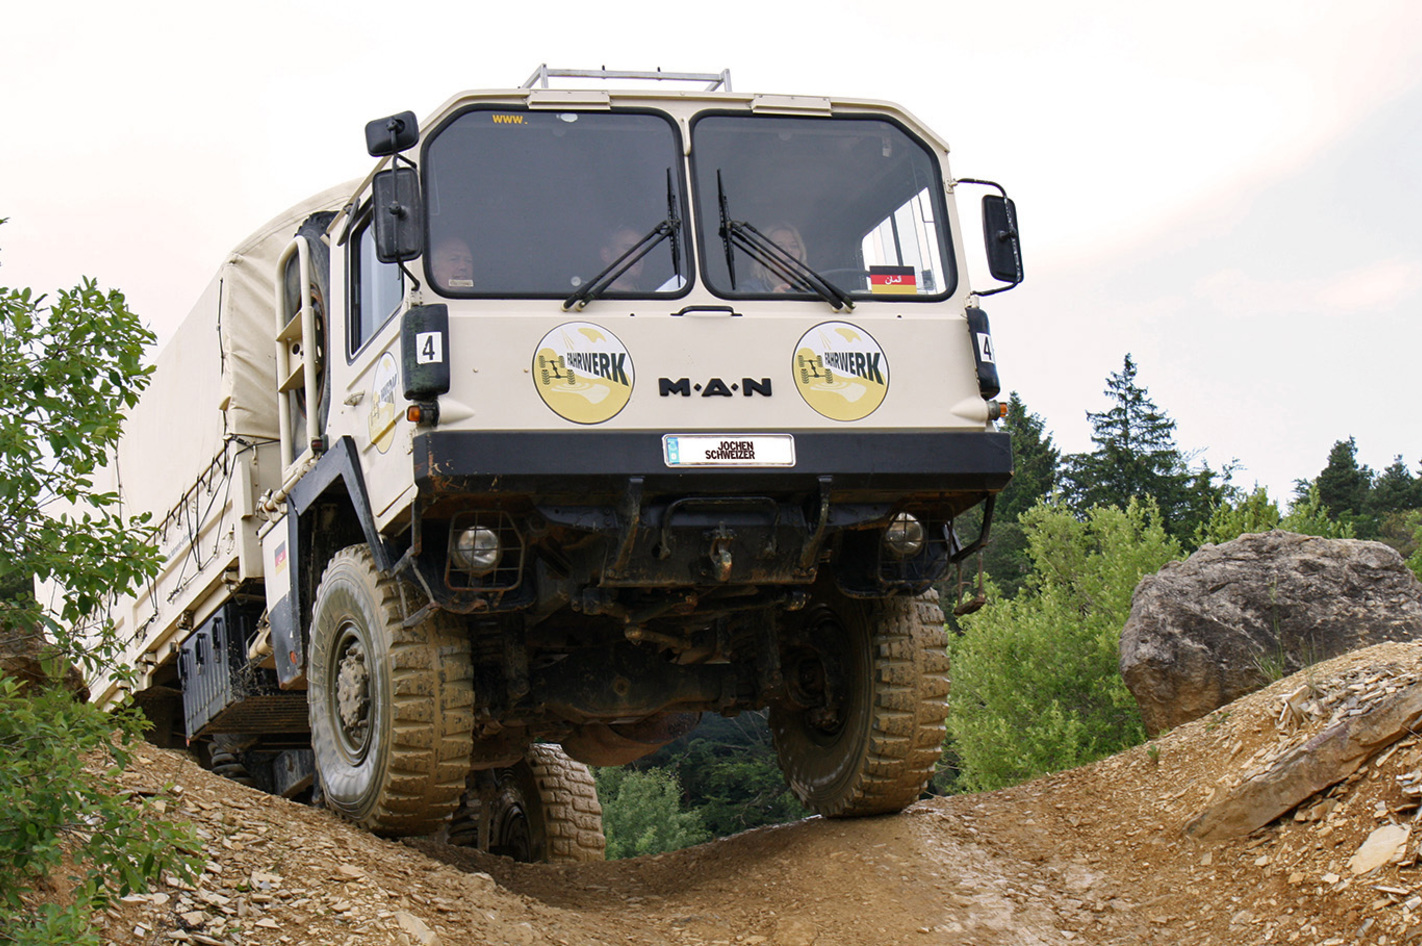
893	280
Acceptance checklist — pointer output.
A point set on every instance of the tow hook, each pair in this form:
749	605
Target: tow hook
721	539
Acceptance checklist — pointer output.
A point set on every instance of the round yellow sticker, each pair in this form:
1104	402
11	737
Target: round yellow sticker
841	371
583	372
381	421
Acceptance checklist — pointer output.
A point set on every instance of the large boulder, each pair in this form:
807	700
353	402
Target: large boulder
1235	617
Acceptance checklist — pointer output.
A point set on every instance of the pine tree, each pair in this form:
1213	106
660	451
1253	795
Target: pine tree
1035	461
1395	490
1136	457
1343	486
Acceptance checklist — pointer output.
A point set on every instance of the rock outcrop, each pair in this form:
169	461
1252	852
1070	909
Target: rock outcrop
1234	617
28	658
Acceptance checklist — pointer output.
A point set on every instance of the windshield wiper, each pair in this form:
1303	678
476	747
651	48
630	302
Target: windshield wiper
737	234
668	229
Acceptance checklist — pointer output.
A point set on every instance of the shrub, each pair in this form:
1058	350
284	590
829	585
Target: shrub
642	813
1036	679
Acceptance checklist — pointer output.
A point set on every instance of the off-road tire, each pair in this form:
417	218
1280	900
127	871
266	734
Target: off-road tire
544	809
391	707
881	751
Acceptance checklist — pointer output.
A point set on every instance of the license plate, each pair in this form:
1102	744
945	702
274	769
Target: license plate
728	450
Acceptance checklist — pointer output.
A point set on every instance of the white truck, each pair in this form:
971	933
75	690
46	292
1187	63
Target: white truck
588	411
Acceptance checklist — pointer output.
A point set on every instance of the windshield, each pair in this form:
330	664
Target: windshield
856	200
537	204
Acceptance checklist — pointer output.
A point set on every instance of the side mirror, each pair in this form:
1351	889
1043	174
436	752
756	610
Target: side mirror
1004	248
399	220
392	135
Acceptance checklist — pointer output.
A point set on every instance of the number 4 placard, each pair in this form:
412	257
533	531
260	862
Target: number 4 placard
429	348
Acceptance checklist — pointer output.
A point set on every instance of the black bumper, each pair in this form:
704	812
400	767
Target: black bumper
593	463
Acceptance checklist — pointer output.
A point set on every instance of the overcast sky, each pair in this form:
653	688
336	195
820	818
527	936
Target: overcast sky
1227	190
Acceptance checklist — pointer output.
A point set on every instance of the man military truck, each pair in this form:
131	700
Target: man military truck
588	411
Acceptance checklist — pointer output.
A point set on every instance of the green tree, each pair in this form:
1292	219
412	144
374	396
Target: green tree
1343	485
642	813
67	373
1036	462
1242	515
68	370
1395	489
1308	516
1036	680
1136	457
730	773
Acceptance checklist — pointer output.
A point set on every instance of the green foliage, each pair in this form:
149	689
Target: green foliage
1136	457
1343	486
1308	516
1036	462
735	782
70	839
58	818
1414	561
1036	679
642	813
68	370
1245	515
1394	489
729	773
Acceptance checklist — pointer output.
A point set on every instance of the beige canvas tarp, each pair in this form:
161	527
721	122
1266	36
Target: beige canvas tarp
215	380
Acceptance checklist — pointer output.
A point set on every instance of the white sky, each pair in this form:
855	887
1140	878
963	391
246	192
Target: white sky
1227	190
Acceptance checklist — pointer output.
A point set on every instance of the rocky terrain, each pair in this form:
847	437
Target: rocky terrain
1099	854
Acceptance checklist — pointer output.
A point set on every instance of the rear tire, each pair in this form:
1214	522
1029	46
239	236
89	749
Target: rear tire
863	729
391	707
544	809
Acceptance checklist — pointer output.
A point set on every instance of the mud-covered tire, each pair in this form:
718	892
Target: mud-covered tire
883	665
544	809
391	707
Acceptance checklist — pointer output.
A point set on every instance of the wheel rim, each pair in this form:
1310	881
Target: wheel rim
815	677
510	832
350	704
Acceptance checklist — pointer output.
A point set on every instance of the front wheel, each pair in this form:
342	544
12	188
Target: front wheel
862	727
391	706
543	809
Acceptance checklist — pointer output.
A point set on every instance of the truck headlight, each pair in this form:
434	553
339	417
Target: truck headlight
477	550
904	536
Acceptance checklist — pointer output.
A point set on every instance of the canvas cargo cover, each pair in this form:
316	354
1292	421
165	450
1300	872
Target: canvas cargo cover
215	381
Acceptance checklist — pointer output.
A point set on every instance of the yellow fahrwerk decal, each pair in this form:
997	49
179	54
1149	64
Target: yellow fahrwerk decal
382	402
841	371
583	372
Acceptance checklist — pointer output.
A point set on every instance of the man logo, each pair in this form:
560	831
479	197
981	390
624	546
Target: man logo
749	387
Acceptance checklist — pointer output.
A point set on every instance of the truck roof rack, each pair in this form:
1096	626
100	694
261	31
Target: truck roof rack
717	80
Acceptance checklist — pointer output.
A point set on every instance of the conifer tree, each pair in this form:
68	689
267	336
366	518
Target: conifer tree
1136	457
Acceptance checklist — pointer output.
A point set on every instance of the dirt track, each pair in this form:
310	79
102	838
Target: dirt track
1095	855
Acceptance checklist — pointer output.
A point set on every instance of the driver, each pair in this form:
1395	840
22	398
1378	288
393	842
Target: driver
452	265
763	278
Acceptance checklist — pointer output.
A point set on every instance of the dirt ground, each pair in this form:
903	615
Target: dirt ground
1094	855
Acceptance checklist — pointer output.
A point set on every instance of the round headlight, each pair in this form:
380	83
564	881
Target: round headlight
477	550
904	536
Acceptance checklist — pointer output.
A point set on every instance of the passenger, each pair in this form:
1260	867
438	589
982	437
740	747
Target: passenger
765	279
452	265
618	242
